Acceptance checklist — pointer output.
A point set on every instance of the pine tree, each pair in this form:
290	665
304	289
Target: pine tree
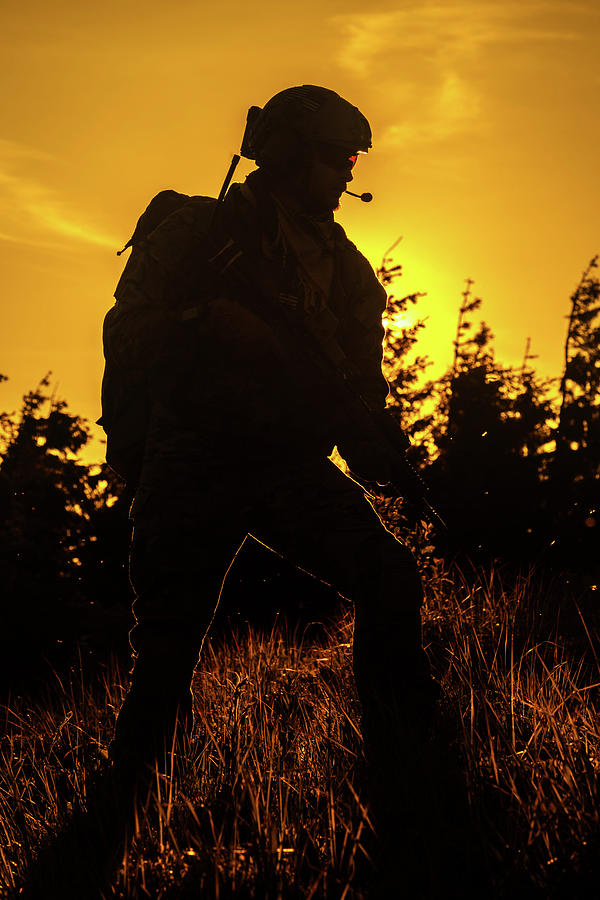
51	504
576	464
491	425
410	391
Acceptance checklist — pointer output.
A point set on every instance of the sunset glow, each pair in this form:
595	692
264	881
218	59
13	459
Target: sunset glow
485	136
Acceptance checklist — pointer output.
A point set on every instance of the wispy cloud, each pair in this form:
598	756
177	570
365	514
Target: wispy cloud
425	54
30	242
451	106
13	151
444	32
31	212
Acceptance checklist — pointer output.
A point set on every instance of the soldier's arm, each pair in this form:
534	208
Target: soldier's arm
363	329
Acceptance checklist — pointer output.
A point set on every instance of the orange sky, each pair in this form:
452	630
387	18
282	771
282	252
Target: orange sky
486	134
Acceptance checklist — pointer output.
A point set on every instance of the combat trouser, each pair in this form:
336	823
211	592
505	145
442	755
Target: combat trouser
310	513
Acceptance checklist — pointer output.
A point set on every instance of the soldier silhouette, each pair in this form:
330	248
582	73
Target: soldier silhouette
234	319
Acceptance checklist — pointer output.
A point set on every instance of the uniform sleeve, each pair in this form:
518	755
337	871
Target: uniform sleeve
362	330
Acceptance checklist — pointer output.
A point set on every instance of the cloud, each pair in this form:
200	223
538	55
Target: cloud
29	242
451	107
32	212
11	150
446	33
423	57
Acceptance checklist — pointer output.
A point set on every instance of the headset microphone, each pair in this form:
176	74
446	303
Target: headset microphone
366	198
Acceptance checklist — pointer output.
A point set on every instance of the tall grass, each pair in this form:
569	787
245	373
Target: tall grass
269	798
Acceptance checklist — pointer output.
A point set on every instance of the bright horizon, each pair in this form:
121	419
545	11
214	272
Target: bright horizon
485	134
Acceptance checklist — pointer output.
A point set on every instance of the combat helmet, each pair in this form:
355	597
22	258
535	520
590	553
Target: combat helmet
300	117
283	133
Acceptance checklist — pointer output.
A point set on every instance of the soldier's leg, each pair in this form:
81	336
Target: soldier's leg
179	557
321	520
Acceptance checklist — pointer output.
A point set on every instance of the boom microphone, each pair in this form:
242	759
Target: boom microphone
366	198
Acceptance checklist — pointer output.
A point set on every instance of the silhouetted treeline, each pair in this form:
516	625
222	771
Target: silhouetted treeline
513	461
63	533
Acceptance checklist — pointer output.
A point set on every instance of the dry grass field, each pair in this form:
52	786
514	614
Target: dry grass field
268	798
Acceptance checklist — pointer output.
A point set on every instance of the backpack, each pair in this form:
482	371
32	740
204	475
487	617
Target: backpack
186	251
150	299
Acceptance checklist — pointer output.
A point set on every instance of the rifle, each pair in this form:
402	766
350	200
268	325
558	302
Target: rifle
235	269
406	482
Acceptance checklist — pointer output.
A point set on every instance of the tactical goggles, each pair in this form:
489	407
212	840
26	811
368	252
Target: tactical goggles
336	157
